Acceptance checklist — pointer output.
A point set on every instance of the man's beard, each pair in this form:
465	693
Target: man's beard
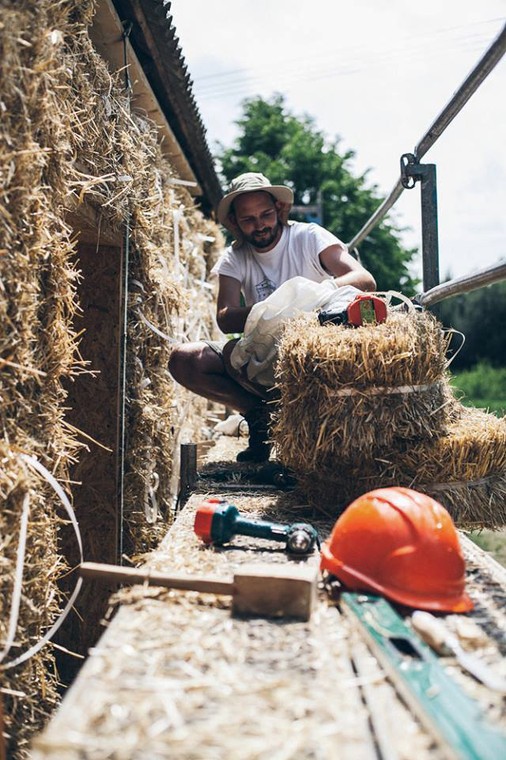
264	241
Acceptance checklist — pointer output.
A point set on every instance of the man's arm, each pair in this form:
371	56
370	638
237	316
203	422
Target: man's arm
230	315
346	270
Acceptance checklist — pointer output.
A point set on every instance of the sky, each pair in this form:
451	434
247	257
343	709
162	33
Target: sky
375	73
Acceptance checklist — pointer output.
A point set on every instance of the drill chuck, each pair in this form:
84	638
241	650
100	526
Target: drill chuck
301	538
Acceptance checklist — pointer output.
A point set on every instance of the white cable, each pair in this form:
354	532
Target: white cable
36	465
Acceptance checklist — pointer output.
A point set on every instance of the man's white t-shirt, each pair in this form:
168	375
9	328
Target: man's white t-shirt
296	254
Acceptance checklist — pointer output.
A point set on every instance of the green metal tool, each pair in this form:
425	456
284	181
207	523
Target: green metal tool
439	703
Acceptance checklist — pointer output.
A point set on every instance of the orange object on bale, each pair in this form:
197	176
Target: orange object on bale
401	544
365	309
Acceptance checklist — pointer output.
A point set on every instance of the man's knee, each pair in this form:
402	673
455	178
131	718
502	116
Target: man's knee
180	361
192	359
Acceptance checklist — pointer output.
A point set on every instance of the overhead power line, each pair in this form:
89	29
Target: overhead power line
336	67
349	61
421	35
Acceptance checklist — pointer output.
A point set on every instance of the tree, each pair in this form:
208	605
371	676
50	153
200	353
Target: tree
291	150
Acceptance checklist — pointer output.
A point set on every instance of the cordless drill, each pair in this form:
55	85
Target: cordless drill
216	522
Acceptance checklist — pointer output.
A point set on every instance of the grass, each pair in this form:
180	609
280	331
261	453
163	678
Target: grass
484	386
493	542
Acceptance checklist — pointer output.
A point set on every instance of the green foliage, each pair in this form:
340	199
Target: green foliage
492	541
483	386
291	150
481	316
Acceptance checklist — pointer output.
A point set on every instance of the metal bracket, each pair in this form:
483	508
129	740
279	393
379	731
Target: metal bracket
188	473
412	172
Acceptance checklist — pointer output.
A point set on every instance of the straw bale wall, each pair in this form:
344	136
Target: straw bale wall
71	149
373	407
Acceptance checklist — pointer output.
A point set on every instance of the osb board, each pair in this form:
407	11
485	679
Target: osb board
176	676
94	409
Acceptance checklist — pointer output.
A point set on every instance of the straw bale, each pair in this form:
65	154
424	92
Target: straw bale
161	413
348	393
38	343
121	172
215	688
68	137
29	690
465	470
341	446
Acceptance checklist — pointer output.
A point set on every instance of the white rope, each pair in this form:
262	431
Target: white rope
389	295
18	579
452	331
461	483
384	391
155	329
36	465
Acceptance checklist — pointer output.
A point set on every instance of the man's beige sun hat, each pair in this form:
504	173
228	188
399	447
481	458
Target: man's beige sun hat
250	182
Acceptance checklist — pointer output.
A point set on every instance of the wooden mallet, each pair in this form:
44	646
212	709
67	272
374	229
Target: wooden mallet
263	590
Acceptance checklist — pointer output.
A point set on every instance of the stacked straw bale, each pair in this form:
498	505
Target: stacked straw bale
38	344
161	414
373	407
68	138
28	690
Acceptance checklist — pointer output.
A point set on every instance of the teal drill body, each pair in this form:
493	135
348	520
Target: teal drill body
216	522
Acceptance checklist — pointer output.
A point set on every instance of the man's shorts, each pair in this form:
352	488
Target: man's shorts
217	346
239	376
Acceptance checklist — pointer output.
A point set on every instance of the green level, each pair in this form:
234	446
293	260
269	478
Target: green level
439	703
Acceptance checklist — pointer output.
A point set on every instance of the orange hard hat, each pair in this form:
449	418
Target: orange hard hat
401	544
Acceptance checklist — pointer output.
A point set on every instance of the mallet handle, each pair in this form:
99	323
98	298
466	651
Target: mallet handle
133	575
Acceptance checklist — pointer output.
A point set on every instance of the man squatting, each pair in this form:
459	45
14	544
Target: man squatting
268	250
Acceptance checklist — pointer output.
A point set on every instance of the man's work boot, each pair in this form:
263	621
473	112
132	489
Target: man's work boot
259	447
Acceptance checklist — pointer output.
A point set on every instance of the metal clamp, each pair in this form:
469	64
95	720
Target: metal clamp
410	171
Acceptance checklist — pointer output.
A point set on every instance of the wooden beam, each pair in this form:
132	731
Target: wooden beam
106	33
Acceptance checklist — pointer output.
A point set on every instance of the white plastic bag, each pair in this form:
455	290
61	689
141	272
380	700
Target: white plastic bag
257	349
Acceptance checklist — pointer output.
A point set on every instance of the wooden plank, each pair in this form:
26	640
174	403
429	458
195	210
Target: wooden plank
176	675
